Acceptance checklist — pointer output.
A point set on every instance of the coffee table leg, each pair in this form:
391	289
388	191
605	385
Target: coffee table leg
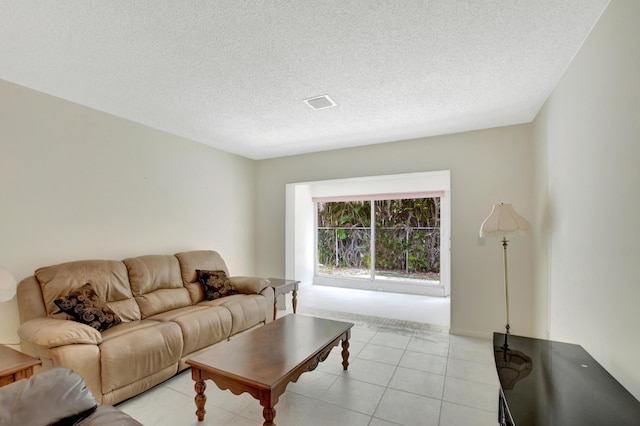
269	413
201	399
345	352
295	300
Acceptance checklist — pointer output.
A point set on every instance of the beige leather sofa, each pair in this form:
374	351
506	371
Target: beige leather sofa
165	318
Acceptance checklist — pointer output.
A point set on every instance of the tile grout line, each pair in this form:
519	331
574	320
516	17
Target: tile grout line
444	384
395	370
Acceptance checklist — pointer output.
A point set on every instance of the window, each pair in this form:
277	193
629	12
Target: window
403	244
344	238
407	243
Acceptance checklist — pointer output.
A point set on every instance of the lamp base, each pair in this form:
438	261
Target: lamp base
505	346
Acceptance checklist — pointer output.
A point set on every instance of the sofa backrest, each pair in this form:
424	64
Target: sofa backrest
134	288
156	283
199	259
108	278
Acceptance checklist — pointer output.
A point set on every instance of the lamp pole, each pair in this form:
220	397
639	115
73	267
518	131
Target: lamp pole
506	292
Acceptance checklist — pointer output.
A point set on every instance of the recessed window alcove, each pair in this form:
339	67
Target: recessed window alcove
301	232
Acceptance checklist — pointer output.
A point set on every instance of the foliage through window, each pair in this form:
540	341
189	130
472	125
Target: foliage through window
405	241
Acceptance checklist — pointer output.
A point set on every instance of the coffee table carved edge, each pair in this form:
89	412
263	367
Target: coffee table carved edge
267	395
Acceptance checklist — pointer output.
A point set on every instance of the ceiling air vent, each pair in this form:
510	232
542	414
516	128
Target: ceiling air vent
320	102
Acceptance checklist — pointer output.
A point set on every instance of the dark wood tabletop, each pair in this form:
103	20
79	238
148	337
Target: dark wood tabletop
271	352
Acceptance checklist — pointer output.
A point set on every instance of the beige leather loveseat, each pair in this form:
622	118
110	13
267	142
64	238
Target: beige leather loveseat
165	318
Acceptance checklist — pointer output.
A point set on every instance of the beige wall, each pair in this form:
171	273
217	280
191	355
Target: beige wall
77	183
590	131
486	167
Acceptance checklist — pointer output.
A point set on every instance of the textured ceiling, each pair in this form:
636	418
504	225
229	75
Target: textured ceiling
233	74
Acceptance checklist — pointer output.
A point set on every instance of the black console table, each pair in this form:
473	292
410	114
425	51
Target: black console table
545	383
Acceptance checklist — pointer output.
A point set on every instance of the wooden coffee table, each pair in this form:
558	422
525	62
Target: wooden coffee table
262	362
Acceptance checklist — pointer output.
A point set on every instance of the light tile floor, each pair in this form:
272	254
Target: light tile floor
397	376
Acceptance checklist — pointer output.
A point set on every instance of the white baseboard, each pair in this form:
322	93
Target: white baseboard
471	333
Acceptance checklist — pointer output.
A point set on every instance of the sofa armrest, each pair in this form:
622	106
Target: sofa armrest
250	285
51	333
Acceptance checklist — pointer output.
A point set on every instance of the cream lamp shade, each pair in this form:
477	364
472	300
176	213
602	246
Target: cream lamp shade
7	285
504	220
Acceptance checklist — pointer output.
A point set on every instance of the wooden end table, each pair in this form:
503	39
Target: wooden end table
281	286
263	361
15	365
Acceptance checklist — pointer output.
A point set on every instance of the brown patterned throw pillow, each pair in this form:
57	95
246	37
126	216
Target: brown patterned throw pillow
85	306
215	284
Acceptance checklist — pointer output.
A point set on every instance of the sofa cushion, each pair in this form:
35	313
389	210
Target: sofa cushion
85	306
247	310
156	284
108	278
128	327
215	284
132	351
201	326
190	261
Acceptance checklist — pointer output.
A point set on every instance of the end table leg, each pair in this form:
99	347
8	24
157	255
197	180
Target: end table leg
294	302
275	309
345	352
269	413
201	399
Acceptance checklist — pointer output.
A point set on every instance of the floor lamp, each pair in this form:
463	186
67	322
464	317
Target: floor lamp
504	220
